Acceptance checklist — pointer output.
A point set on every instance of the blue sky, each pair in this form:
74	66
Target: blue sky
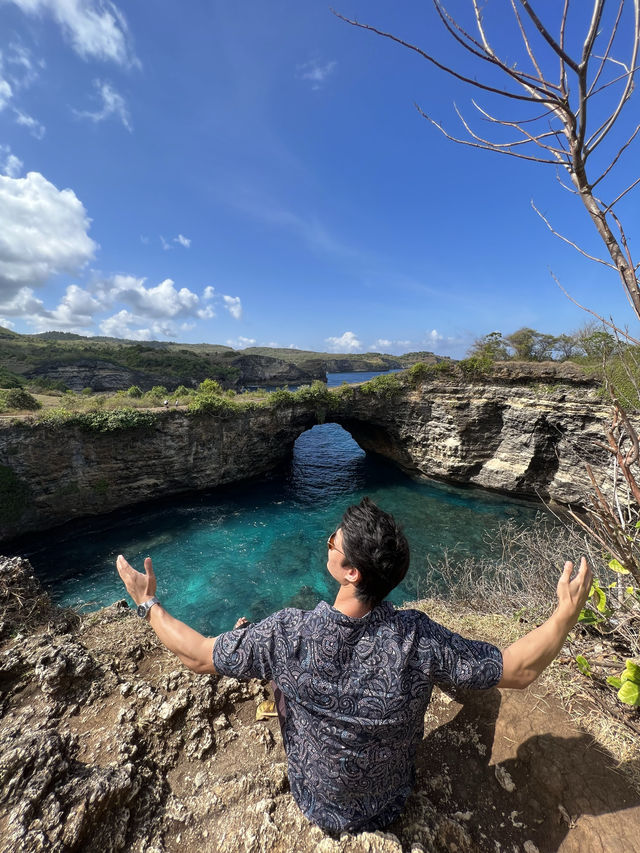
257	174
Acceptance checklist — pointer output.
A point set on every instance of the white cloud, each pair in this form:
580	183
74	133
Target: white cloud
164	300
347	342
434	337
121	326
381	343
73	314
112	105
233	305
10	165
7	323
180	239
32	124
6	93
316	72
24	68
95	28
43	231
17	72
206	313
22	303
241	342
209	292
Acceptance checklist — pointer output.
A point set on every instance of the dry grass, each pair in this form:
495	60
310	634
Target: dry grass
504	596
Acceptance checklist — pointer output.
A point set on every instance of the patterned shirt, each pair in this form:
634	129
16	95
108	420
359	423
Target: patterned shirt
356	691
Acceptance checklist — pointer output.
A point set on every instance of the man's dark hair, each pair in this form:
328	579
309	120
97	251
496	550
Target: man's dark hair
373	542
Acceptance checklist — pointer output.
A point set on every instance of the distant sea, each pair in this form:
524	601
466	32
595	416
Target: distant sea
252	548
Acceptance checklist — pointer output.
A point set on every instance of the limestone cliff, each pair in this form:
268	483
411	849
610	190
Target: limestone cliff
527	430
54	474
526	433
237	370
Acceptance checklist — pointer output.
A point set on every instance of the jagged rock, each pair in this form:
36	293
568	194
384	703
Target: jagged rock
177	763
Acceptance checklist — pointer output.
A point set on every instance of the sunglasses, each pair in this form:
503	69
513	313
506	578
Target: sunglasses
331	543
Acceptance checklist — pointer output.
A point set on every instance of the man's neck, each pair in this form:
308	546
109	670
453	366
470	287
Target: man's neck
347	602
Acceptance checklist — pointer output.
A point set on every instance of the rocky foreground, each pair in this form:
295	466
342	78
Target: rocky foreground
107	743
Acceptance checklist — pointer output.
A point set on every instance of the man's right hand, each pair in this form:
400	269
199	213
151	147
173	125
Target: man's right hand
141	587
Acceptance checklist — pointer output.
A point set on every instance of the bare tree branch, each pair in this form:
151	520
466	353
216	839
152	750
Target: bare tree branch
617	157
547	36
623	193
486	54
604	58
626	94
570	242
529	138
609	323
527	45
489	147
514	95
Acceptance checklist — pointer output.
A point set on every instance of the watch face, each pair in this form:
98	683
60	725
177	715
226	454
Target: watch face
142	610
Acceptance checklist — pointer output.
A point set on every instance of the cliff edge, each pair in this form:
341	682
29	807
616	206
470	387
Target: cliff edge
107	743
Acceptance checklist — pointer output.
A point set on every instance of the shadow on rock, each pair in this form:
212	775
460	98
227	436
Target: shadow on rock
510	773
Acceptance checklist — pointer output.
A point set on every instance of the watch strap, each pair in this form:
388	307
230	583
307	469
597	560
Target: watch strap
146	606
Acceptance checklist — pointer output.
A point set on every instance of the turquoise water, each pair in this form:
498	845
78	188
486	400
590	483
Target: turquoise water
256	547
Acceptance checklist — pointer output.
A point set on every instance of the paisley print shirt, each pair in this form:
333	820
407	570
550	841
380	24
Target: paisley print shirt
356	691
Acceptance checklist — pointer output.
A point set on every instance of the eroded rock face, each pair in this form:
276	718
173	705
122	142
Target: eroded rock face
265	370
527	431
68	472
103	375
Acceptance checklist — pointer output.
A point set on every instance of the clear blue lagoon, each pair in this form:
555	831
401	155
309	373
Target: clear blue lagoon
255	547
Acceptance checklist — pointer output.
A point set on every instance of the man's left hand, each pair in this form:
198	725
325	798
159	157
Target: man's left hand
141	587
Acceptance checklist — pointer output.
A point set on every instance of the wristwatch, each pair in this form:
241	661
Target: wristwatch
146	606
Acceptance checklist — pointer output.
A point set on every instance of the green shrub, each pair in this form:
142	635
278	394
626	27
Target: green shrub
476	365
386	386
10	380
210	387
134	391
316	393
281	397
158	392
99	421
15	399
182	391
87	392
212	404
421	370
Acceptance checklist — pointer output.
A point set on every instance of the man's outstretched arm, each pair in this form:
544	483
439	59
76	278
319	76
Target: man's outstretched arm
524	660
193	649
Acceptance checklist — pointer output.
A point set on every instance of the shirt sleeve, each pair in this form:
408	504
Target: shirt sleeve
455	661
247	652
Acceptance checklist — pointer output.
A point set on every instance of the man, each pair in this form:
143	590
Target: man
355	679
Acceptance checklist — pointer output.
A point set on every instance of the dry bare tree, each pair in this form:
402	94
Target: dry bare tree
563	105
569	117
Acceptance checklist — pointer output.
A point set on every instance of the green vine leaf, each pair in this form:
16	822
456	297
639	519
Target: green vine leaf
616	566
583	665
629	693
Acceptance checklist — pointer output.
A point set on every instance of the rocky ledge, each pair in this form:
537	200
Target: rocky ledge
107	743
526	430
